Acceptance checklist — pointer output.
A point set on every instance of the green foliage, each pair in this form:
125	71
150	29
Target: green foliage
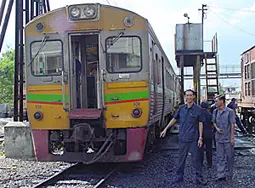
7	76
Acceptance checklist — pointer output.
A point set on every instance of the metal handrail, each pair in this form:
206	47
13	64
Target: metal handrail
63	90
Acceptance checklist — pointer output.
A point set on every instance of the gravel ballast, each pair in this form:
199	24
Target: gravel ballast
157	170
16	173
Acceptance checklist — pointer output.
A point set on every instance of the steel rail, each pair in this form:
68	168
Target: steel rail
100	182
53	179
64	174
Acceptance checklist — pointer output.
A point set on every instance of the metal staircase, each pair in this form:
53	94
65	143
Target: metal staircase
212	70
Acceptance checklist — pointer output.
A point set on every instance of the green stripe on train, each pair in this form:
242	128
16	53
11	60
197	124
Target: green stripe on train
126	96
46	97
108	97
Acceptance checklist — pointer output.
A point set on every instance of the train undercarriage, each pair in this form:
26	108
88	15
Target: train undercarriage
88	142
248	119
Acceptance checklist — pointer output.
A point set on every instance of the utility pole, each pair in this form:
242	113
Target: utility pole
203	17
199	60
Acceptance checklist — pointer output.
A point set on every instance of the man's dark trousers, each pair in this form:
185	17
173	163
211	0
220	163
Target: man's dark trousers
184	149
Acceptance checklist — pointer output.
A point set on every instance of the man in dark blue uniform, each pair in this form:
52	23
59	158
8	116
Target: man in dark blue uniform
190	135
207	134
233	106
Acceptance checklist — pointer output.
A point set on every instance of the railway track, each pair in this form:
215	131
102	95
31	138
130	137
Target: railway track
77	175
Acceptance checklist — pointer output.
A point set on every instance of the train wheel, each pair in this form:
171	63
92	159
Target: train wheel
248	120
252	123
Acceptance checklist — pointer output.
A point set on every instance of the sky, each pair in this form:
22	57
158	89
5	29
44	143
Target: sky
230	19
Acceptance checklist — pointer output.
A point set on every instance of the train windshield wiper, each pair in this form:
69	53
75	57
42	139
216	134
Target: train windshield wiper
114	40
44	40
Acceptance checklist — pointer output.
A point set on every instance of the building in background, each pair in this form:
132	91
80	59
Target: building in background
248	77
232	92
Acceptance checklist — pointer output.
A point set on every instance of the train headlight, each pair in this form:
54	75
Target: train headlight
90	11
137	112
75	12
129	21
83	12
39	27
38	115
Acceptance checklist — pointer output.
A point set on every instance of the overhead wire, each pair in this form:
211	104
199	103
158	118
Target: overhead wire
108	2
223	19
115	3
230	9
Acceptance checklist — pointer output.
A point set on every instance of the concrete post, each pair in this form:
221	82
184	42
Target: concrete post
18	140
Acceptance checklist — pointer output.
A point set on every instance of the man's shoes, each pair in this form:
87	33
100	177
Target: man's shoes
177	180
200	182
221	179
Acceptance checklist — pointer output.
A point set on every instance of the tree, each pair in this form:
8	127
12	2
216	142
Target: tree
7	76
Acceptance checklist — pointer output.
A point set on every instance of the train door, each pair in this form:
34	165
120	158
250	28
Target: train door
85	70
155	80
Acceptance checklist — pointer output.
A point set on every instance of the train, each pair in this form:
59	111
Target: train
100	87
247	104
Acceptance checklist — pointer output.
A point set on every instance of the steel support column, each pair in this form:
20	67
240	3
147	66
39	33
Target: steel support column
2	10
16	64
44	6
27	11
48	5
5	23
182	78
37	8
21	60
32	9
196	78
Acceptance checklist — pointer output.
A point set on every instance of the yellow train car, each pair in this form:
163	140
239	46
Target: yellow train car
99	85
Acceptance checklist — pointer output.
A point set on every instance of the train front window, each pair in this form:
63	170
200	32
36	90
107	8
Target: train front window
47	58
123	55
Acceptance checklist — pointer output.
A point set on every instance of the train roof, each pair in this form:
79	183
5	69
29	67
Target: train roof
249	49
102	5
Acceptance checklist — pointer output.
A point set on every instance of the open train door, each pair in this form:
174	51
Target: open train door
85	85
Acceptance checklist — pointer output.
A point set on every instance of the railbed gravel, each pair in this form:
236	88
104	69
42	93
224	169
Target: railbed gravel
16	173
159	168
156	171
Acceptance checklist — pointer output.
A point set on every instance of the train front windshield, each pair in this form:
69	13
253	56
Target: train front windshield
123	55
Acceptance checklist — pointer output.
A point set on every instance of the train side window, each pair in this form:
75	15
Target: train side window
249	88
245	89
123	55
161	69
252	70
47	58
253	87
168	79
247	57
157	67
245	72
248	71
